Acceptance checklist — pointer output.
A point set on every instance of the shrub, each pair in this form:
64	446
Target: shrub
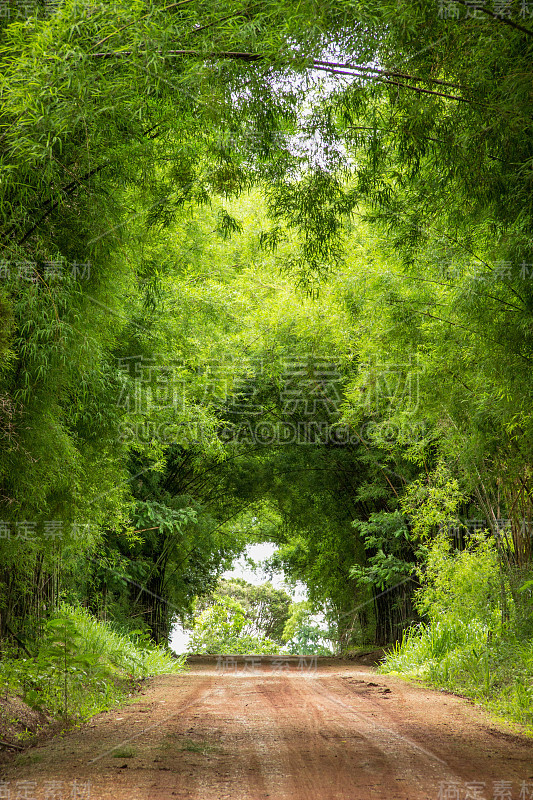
220	628
83	666
477	639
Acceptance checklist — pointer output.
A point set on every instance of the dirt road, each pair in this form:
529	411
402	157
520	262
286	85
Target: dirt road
284	731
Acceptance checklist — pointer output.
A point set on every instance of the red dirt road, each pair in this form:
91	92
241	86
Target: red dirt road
254	732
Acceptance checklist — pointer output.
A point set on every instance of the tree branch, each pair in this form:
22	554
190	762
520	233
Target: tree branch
379	79
387	73
68	190
166	8
468	4
463	327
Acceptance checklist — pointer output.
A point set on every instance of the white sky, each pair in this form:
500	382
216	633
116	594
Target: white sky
260	552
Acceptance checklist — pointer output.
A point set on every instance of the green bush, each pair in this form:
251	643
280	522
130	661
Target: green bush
83	666
220	628
477	639
301	636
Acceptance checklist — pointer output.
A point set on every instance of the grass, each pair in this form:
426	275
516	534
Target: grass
83	666
124	752
478	638
26	759
498	673
197	747
175	742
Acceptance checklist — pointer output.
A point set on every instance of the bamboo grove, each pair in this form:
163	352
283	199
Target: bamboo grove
266	275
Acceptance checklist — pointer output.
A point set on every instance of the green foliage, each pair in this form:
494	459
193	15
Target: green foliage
266	608
146	405
301	636
464	645
387	539
468	579
220	628
83	666
240	617
432	502
308	640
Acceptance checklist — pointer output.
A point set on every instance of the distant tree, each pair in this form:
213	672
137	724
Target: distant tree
221	628
301	635
265	608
